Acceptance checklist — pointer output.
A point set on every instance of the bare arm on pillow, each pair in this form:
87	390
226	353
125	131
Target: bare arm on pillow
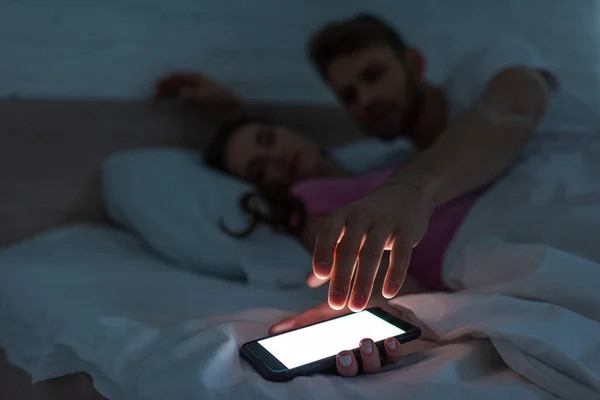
205	94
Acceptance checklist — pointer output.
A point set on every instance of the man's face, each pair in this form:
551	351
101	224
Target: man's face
379	90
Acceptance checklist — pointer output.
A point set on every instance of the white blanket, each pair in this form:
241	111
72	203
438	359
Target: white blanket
525	326
92	299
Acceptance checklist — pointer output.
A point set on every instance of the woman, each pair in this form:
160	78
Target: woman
257	150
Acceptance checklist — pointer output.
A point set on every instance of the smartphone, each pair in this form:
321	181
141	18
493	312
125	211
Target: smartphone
313	348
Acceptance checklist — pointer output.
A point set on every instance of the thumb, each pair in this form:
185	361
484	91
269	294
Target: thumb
313	315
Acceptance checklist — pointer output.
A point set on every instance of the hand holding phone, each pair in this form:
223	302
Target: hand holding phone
325	345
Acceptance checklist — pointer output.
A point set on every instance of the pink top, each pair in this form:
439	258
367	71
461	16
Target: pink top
325	195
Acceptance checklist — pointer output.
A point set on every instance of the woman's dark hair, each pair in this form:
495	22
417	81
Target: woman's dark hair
214	155
272	206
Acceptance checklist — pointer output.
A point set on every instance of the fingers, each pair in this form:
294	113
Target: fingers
393	350
316	314
368	264
354	241
346	255
324	253
389	244
345	260
347	365
166	89
369	354
190	85
399	260
171	85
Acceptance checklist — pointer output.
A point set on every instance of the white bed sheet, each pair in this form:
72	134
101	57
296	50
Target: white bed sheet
89	298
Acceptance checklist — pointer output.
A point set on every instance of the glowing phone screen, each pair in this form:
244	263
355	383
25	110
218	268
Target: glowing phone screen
316	342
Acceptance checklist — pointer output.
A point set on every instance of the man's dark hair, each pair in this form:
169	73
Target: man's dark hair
349	35
214	155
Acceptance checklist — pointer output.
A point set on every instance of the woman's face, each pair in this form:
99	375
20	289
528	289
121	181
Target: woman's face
273	155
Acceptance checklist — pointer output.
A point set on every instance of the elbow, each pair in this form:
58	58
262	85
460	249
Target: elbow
520	91
530	95
516	100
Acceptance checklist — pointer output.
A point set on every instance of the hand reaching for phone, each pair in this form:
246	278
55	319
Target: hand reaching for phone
350	245
207	94
346	363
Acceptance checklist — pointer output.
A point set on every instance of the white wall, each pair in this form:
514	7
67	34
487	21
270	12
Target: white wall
116	48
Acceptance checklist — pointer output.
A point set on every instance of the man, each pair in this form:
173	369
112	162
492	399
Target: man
468	132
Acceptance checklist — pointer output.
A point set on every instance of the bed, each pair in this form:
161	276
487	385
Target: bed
89	310
496	339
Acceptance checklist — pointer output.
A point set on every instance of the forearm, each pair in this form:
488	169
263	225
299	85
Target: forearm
480	144
470	154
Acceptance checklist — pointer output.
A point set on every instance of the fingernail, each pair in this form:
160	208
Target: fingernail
392	288
391	344
337	296
345	360
322	266
366	346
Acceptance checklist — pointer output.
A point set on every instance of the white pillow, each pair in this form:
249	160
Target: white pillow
174	203
170	199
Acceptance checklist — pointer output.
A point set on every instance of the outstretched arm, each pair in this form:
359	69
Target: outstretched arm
484	141
478	146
